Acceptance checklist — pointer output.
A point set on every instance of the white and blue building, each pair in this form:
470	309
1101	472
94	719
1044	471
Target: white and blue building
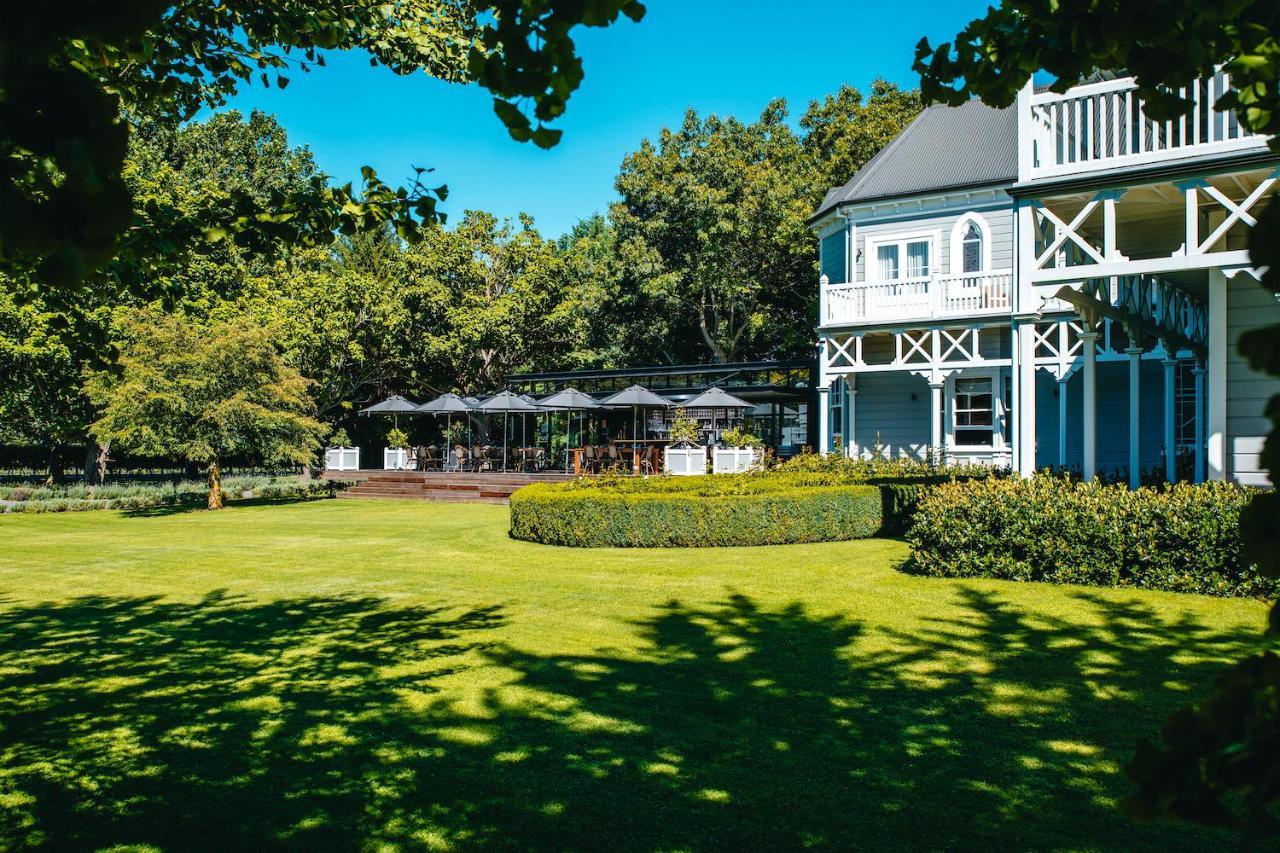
1059	283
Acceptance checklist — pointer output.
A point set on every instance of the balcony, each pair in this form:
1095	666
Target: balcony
1105	125
925	298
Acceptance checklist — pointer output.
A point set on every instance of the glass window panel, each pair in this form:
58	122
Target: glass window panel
918	259
887	257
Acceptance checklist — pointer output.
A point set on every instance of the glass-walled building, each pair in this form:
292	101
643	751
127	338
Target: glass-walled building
783	394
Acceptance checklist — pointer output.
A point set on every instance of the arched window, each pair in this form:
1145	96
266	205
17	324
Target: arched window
971	249
970	245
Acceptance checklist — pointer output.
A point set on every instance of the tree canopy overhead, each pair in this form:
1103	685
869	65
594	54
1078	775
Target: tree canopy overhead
67	80
1164	44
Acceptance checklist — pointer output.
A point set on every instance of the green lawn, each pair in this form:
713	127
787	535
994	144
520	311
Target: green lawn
348	674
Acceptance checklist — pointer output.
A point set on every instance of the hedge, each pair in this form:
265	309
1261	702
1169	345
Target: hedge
669	514
1184	538
138	496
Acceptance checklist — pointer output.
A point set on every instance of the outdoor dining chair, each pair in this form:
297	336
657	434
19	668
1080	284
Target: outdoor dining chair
460	457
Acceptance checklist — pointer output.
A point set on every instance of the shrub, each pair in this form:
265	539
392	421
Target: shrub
692	512
735	437
1182	539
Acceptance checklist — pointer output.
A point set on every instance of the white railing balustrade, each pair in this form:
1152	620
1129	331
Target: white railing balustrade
919	298
1105	125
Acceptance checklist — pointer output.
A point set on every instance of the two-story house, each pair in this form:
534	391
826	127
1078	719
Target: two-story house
1058	283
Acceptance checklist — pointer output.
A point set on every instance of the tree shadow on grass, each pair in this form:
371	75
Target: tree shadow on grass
200	506
319	723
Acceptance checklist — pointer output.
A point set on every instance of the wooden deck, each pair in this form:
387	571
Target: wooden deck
459	487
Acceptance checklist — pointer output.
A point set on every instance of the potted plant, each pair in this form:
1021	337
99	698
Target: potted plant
338	456
396	455
742	451
684	456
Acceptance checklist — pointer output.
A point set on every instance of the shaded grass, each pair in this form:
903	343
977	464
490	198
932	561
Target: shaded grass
341	674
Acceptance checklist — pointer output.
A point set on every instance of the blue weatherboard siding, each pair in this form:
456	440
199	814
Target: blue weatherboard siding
833	257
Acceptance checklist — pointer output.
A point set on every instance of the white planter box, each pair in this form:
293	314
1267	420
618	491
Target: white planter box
395	459
342	459
685	461
734	460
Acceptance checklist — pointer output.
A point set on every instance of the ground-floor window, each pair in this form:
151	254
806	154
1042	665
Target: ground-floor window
974	408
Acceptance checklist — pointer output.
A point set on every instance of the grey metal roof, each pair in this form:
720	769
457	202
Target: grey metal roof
943	148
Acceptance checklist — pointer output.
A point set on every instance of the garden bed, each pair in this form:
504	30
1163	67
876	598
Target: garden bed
136	496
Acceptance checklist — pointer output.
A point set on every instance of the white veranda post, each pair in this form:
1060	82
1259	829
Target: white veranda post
935	420
1089	400
1217	377
824	419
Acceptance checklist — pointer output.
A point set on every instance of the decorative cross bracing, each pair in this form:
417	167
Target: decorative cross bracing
1144	303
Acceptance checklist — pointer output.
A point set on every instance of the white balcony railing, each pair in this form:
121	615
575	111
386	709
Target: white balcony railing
1105	125
921	298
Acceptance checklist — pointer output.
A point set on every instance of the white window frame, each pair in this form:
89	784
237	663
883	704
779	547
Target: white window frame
871	262
998	411
957	243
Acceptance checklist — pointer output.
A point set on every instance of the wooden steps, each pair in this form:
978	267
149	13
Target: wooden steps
453	487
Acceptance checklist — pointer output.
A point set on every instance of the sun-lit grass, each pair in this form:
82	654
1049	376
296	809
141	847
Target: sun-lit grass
351	674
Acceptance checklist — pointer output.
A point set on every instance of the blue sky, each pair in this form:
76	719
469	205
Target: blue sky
714	56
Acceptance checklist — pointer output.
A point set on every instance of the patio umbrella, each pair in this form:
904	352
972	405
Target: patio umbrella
505	402
447	405
395	405
637	397
717	398
569	400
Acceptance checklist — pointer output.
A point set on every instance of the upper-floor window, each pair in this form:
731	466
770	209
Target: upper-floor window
971	249
970	245
902	259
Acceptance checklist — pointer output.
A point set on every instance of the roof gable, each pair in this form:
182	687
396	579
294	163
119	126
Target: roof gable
943	148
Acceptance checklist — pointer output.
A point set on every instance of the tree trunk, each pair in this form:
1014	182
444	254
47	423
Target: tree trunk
215	485
55	477
95	462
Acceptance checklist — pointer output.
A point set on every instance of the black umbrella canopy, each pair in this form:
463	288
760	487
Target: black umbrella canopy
569	398
393	405
446	404
636	395
508	402
718	398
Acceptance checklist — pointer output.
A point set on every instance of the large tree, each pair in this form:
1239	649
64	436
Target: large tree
181	181
492	297
1219	760
204	393
69	78
716	259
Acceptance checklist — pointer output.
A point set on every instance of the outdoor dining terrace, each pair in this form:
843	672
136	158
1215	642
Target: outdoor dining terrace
567	433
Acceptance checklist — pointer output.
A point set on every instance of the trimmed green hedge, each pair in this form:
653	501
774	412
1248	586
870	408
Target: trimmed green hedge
693	512
1182	539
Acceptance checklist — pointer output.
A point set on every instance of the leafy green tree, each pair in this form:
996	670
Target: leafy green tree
181	180
40	371
844	130
203	393
1219	762
490	298
340	317
712	229
715	254
67	80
